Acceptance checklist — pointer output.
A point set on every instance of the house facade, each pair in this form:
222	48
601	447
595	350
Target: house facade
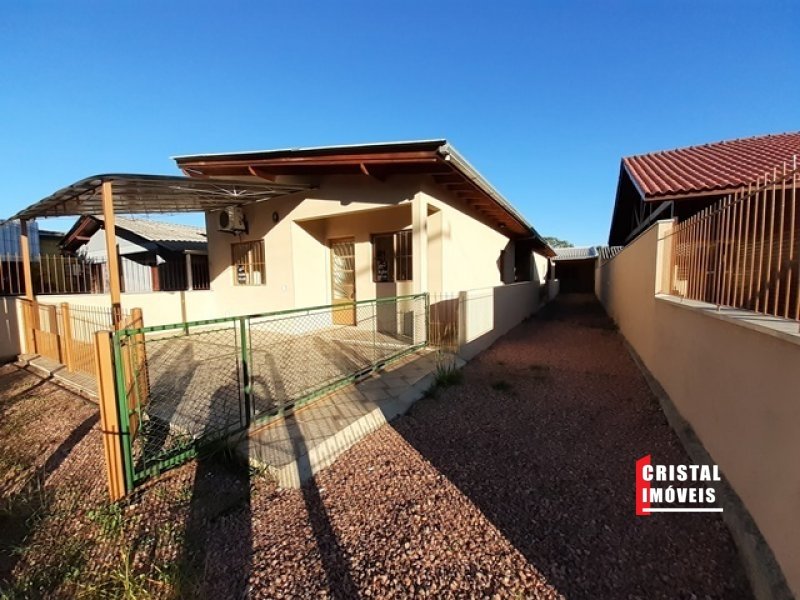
376	221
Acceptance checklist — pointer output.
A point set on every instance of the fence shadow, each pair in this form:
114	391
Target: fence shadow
335	561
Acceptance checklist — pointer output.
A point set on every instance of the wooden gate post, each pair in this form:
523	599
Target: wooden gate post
109	415
27	323
66	336
143	382
52	328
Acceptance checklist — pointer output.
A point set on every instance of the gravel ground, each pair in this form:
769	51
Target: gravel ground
515	483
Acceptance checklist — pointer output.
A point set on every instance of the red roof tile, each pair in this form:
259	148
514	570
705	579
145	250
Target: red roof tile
710	167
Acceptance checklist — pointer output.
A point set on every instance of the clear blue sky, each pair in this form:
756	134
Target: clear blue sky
542	97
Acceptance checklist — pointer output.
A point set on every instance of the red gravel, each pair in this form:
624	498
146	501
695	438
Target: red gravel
516	483
551	463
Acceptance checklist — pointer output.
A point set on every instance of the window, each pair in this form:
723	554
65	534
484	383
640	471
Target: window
247	259
392	256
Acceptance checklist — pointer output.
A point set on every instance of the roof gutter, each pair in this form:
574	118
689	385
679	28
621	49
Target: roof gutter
449	154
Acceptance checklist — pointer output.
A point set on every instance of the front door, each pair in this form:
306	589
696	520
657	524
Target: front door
343	281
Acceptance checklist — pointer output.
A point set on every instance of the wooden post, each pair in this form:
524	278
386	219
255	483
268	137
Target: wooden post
25	248
66	337
189	283
140	358
27	323
113	253
52	329
109	416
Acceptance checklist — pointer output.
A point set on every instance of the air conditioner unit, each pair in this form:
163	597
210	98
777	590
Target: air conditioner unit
231	219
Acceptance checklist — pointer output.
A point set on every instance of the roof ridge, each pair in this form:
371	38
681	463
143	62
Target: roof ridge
716	143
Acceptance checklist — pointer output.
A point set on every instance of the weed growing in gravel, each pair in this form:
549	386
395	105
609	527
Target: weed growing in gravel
109	518
502	386
447	373
71	555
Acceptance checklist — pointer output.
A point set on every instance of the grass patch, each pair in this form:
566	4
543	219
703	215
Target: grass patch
66	568
109	518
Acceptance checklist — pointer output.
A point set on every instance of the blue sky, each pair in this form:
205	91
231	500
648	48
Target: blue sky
544	98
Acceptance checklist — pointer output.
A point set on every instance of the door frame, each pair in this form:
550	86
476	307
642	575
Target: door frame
343	316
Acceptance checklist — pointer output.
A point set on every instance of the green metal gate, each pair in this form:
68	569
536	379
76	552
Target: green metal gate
182	388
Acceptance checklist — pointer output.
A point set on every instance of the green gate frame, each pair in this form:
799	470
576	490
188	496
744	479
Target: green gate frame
241	326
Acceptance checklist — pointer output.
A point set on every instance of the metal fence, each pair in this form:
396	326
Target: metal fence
183	386
56	274
743	251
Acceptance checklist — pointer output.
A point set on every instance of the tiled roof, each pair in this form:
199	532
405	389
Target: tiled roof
575	253
710	167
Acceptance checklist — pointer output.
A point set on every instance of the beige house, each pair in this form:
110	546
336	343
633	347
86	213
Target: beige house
375	221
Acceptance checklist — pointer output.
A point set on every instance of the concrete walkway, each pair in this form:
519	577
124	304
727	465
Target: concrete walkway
81	383
298	446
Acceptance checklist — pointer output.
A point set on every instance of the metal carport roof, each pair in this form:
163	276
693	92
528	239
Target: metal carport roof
141	194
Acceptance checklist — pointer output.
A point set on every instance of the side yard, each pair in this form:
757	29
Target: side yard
514	482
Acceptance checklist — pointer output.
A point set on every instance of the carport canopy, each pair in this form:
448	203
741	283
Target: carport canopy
141	194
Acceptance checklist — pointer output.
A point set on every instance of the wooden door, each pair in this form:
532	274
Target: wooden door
343	281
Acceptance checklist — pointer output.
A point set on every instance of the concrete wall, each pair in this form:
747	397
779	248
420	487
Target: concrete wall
485	314
158	308
732	375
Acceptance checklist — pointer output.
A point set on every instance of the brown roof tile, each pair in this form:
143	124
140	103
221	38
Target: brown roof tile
710	167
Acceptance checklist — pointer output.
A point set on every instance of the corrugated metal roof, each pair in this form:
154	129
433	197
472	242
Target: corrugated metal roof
581	253
710	167
159	231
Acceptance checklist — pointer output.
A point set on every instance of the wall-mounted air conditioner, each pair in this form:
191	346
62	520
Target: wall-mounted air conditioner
231	220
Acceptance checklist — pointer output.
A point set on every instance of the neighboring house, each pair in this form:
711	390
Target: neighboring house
10	239
682	182
154	256
380	220
11	278
574	269
49	241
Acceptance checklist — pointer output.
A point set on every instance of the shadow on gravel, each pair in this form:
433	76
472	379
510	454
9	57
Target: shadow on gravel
219	506
217	555
334	559
543	435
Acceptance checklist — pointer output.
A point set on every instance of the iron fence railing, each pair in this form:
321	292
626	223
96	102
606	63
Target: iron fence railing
183	386
57	274
744	250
